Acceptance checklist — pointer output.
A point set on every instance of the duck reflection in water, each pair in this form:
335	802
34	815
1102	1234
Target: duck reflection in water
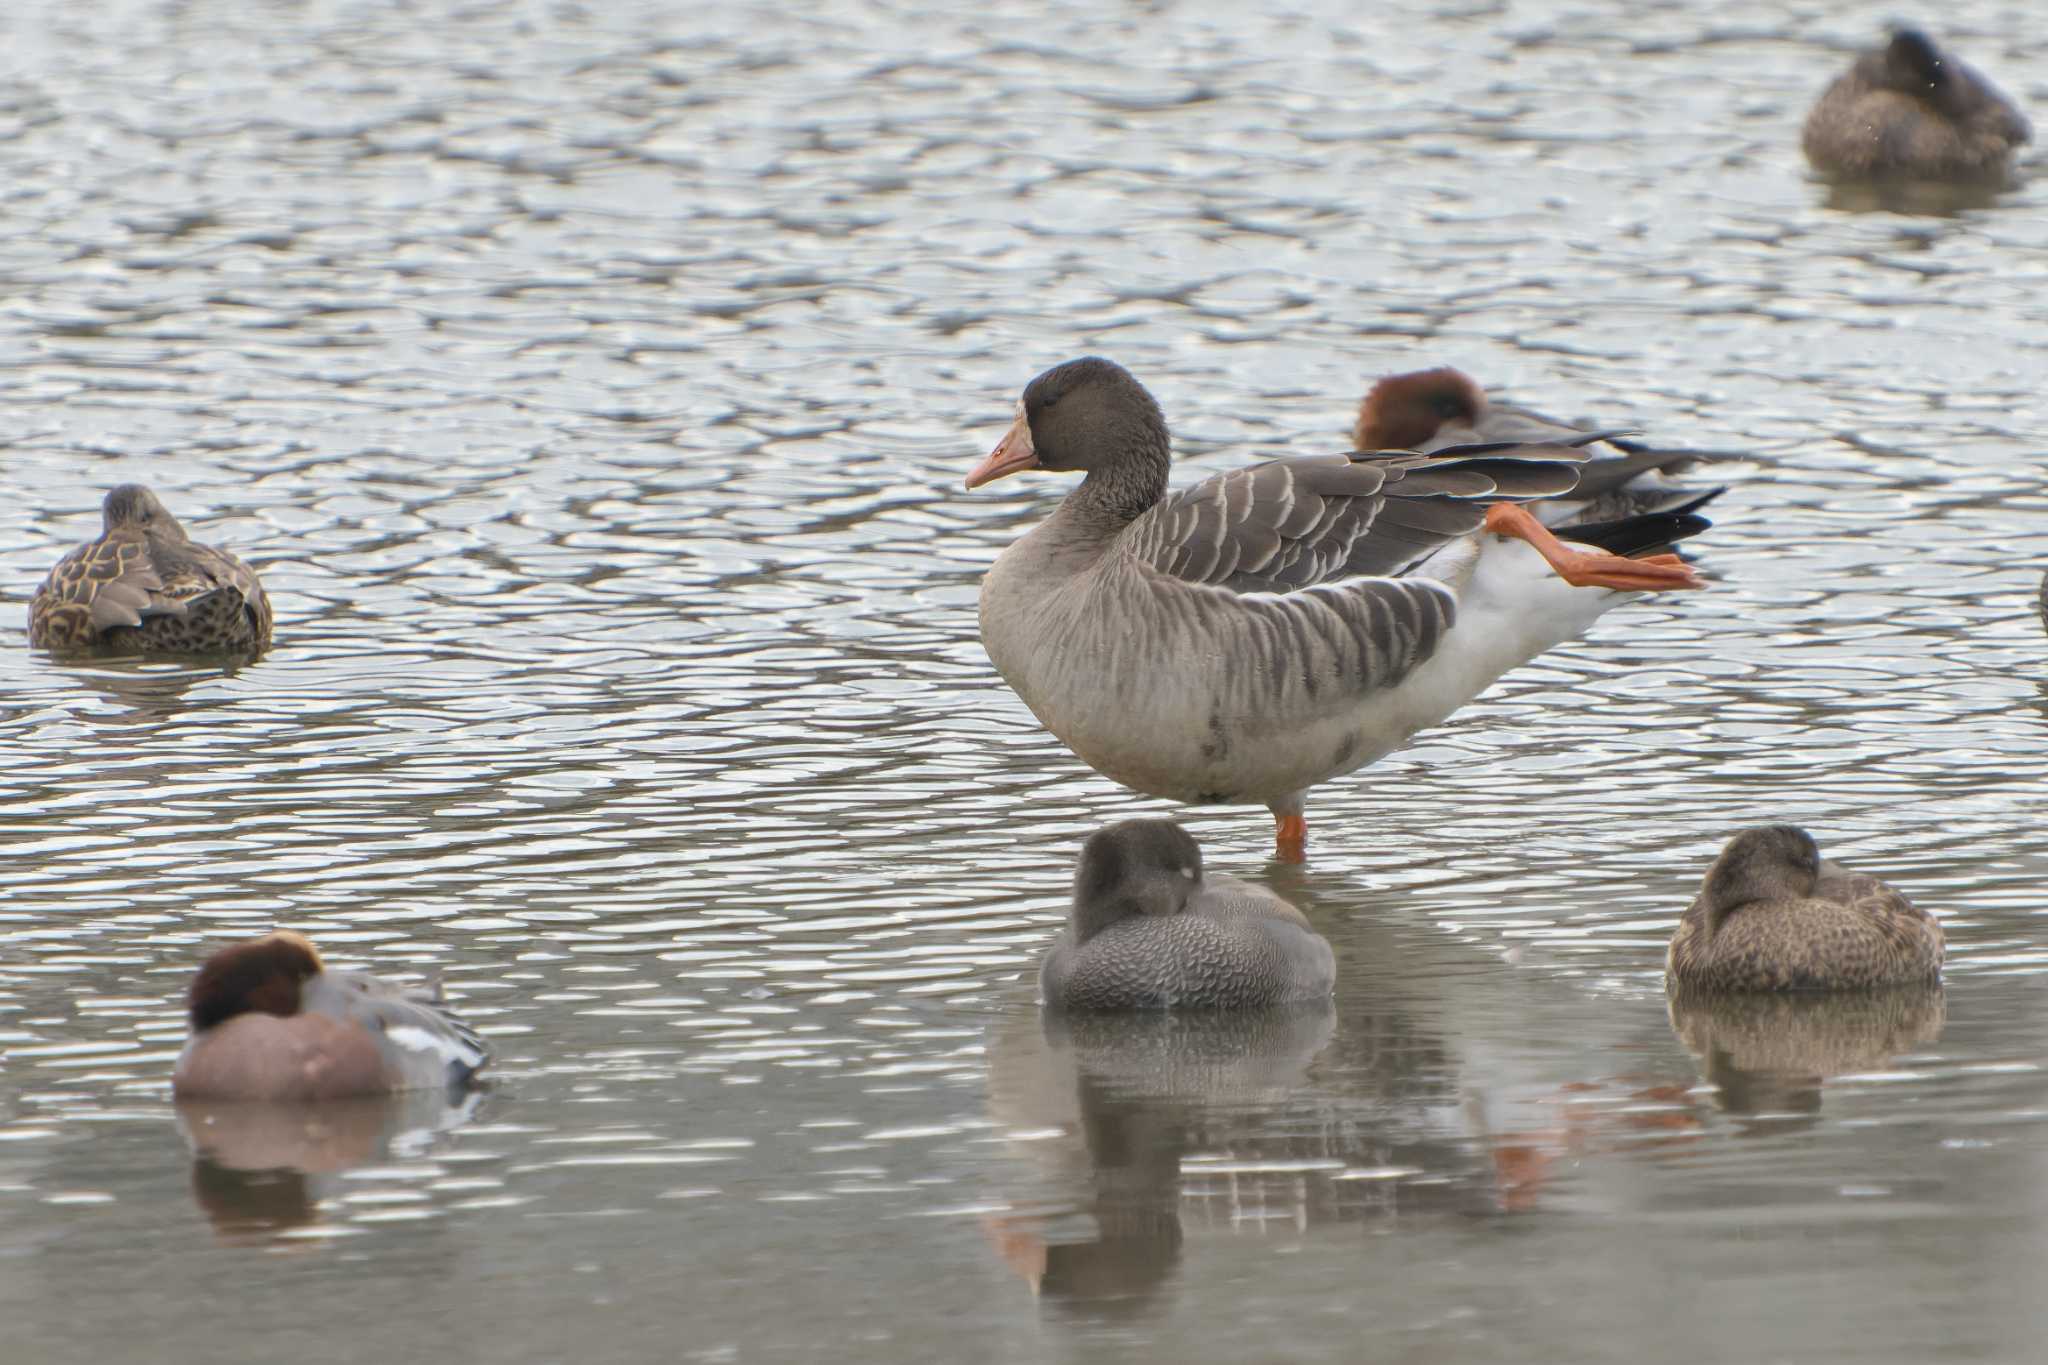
1129	1096
297	1072
260	1169
1789	968
1768	1056
1167	988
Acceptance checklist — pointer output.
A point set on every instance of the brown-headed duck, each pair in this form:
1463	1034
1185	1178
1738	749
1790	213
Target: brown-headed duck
1430	410
271	1022
145	587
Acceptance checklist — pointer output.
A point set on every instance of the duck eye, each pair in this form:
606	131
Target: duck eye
1446	405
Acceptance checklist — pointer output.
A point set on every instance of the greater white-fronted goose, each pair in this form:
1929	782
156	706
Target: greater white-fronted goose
146	587
1431	410
1148	931
1276	626
1910	111
1773	915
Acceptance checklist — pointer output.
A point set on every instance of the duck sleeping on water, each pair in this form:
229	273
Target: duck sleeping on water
1773	915
271	1022
1432	410
1276	626
1911	111
147	587
1149	931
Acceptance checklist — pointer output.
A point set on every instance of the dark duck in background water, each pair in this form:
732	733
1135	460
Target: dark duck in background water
1910	111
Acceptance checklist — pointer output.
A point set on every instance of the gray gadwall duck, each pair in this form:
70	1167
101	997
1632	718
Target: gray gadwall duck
1148	931
1910	111
146	587
1774	916
1268	629
1431	410
271	1022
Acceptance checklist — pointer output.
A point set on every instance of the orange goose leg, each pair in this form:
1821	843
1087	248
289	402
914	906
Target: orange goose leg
1591	568
1290	838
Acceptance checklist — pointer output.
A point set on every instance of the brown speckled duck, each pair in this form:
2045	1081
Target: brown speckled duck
145	587
1910	111
1773	916
270	1021
1148	931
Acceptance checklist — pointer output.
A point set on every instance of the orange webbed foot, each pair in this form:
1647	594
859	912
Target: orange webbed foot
1591	568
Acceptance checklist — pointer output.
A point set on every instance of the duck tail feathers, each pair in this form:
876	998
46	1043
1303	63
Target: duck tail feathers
1650	533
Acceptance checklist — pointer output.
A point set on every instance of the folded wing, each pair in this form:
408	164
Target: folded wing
1292	524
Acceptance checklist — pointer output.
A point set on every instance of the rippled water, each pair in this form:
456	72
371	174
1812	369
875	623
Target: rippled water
592	387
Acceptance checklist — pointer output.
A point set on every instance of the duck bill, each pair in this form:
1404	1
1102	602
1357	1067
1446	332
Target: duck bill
1012	453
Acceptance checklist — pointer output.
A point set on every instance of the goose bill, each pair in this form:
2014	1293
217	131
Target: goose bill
1012	453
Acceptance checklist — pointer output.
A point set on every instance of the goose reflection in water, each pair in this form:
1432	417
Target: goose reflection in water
1768	1056
262	1169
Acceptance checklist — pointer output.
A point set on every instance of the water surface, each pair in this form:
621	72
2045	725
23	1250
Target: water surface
592	386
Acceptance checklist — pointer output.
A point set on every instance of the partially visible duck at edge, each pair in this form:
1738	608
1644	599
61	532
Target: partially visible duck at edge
1910	111
145	587
270	1021
1267	629
1774	916
1430	410
1148	930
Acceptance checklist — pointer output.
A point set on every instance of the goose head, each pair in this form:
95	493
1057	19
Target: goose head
1088	415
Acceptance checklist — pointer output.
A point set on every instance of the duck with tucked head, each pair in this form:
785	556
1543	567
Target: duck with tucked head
1148	931
1773	915
1431	410
1910	111
145	587
1267	629
271	1022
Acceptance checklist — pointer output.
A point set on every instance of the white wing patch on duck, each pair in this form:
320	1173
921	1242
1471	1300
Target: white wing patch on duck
450	1047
